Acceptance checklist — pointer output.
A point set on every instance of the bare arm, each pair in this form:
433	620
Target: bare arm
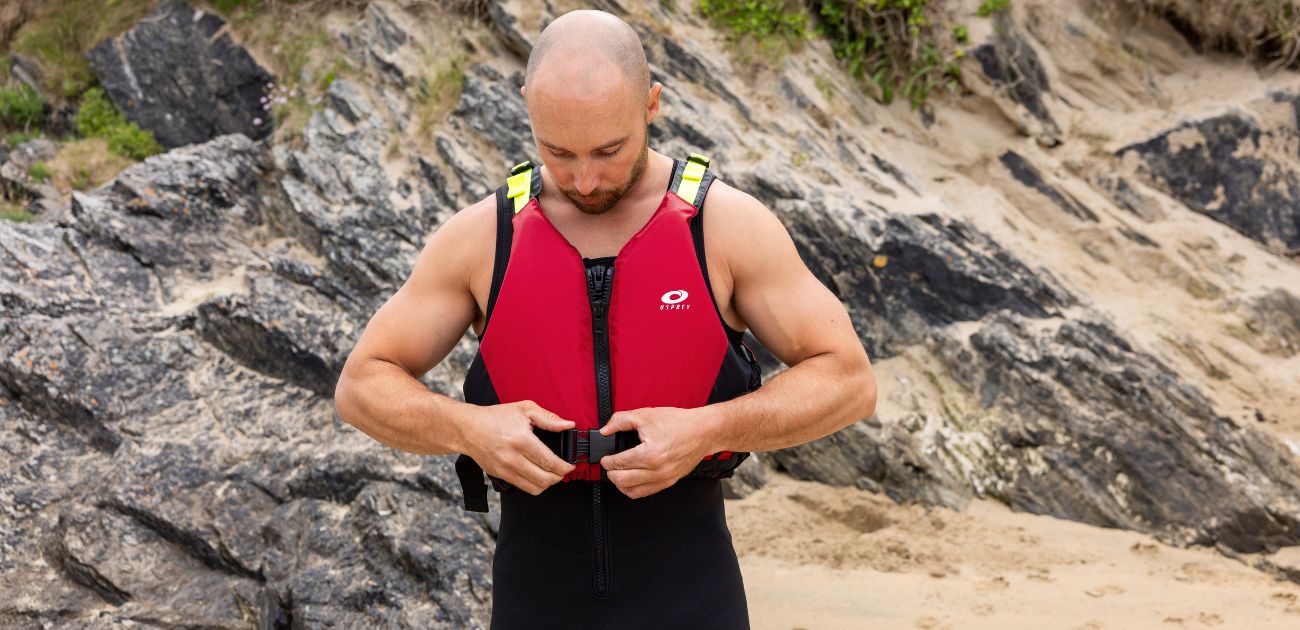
830	383
379	392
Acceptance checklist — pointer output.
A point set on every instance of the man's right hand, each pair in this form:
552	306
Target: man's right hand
500	438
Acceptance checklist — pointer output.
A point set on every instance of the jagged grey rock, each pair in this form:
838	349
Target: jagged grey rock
1073	422
1234	170
170	76
1010	62
1029	175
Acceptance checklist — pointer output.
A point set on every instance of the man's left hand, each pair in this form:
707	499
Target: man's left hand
672	443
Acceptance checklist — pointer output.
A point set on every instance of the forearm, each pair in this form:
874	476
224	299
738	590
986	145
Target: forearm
384	401
813	399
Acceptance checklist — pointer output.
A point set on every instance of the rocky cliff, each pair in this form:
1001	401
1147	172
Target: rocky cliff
1077	281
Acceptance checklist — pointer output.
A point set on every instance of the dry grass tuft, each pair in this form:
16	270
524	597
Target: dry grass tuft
1268	30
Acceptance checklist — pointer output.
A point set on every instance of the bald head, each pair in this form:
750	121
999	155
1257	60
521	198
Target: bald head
588	43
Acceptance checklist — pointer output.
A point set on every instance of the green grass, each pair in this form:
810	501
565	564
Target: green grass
989	7
60	38
899	48
758	18
759	31
436	96
97	118
39	172
16	138
895	46
825	85
21	107
236	8
10	212
297	50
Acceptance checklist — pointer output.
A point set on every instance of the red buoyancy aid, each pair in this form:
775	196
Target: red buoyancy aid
584	338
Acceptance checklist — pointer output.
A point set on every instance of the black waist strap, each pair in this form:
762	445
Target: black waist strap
574	446
571	445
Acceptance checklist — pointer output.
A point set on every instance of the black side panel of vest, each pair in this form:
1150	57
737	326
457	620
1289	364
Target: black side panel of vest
478	388
505	234
740	372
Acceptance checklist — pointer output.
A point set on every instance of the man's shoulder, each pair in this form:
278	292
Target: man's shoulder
742	229
472	223
731	214
466	238
731	204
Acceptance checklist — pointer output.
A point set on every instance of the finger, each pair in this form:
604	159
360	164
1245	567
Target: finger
536	479
544	419
632	458
620	421
542	457
521	481
644	490
629	478
640	491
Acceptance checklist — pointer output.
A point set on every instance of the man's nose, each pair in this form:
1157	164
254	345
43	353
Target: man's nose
588	179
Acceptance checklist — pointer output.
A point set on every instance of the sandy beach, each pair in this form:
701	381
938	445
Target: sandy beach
816	557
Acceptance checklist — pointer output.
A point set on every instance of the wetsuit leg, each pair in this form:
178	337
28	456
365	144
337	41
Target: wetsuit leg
673	562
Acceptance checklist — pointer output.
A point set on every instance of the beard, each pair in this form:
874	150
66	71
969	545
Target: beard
609	197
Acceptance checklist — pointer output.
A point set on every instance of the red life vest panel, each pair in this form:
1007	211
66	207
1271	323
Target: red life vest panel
584	338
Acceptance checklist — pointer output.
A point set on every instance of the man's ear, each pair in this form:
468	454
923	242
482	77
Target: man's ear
521	91
652	102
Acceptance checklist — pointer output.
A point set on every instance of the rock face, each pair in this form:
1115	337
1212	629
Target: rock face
1063	416
1234	169
169	449
1009	62
170	76
170	358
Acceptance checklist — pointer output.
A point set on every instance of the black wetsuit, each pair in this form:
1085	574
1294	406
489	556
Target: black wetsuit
672	564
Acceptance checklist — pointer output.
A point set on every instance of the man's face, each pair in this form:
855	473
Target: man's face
594	142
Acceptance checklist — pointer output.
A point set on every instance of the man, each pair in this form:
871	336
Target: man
614	390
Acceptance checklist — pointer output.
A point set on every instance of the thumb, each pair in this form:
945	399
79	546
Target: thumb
618	422
544	419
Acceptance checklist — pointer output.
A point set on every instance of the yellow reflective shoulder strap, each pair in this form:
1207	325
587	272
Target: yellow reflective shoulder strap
520	184
692	174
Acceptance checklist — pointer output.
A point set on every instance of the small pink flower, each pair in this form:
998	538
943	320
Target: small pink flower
257	121
264	99
266	107
270	85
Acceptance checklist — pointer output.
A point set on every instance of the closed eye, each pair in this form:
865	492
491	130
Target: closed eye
564	155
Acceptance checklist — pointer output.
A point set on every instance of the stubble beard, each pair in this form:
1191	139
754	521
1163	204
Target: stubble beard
615	195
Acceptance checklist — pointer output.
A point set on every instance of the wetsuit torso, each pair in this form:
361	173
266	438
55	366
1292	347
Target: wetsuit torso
585	337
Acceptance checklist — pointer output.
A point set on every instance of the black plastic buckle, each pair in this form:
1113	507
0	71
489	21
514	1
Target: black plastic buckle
581	445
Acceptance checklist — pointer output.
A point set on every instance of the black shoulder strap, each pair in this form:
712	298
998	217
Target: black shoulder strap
505	235
680	172
511	196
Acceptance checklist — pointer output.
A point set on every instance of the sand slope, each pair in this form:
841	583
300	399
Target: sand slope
821	557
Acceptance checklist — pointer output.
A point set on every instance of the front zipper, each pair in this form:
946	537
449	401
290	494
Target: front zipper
600	281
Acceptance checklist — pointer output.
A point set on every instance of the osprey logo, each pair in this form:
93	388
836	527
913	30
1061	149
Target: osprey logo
672	301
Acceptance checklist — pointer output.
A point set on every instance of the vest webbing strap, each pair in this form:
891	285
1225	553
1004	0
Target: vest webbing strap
692	174
520	184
